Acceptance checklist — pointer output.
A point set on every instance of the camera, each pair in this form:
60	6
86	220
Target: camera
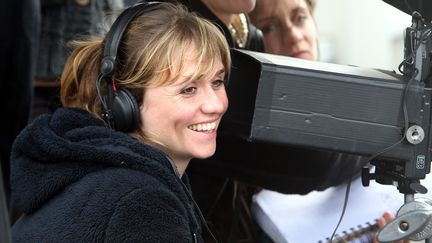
380	115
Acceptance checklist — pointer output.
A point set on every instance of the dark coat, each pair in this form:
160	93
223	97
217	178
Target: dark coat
78	181
19	22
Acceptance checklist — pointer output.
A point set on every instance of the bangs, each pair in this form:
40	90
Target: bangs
203	45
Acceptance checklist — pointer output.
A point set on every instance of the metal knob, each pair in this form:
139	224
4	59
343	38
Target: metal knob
415	134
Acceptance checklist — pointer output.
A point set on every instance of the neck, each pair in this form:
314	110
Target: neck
226	18
181	166
178	163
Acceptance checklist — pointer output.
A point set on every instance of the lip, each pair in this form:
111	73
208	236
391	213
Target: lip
301	54
206	132
209	121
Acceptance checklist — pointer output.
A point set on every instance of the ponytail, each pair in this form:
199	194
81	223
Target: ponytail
78	81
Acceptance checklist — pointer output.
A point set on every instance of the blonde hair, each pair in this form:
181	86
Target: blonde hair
311	5
152	53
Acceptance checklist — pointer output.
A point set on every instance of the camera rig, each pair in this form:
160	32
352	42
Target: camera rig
378	114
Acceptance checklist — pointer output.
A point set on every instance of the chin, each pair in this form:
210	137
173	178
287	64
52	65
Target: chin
244	6
204	154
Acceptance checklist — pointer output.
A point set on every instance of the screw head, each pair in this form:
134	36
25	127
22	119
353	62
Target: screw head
404	226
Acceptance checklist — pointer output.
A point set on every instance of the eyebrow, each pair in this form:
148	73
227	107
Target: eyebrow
187	79
220	72
272	16
300	9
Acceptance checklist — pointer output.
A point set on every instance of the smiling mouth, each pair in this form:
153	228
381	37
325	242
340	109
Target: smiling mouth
203	127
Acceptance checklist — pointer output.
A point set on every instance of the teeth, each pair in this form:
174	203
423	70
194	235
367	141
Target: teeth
203	126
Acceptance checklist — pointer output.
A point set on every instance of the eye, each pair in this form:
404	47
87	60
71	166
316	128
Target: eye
300	19
188	90
218	83
269	27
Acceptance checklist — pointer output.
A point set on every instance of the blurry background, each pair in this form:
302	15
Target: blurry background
366	33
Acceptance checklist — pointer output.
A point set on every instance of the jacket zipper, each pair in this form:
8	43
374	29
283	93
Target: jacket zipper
195	238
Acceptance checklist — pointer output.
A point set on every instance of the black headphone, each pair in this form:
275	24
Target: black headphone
119	107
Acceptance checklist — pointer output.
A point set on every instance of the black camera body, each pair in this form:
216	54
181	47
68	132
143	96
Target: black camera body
382	115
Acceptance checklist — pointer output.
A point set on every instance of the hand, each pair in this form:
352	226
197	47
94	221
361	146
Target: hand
386	218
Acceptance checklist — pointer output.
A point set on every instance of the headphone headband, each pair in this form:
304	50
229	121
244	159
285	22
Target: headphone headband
115	34
119	107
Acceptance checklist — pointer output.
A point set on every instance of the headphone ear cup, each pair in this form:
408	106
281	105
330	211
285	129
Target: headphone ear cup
126	115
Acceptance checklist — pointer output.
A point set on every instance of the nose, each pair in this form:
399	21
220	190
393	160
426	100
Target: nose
293	34
214	101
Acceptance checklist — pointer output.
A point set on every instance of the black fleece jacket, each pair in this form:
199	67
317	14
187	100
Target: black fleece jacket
78	181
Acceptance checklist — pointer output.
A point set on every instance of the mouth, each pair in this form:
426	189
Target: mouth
301	54
203	127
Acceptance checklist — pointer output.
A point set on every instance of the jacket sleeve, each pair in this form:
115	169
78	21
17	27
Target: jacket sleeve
152	215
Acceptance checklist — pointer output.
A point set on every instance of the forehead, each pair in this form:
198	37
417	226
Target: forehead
191	65
195	71
283	5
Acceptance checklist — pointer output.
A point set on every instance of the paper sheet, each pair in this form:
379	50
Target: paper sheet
313	217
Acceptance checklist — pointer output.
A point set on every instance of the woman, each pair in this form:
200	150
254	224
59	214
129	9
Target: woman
214	188
78	180
288	26
224	184
290	29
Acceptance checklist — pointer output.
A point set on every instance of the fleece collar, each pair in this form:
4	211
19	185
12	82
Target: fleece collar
56	150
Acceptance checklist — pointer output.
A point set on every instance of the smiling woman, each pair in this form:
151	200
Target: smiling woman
138	105
182	117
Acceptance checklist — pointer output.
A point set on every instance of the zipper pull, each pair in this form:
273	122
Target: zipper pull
195	238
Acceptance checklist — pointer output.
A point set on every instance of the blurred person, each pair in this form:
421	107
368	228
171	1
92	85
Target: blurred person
231	18
63	21
288	26
290	29
109	166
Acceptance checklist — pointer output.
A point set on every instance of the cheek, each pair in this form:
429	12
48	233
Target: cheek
272	43
179	117
224	100
154	115
182	116
148	119
311	33
313	42
226	103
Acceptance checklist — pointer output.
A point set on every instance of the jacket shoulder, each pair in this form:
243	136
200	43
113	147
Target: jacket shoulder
102	206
